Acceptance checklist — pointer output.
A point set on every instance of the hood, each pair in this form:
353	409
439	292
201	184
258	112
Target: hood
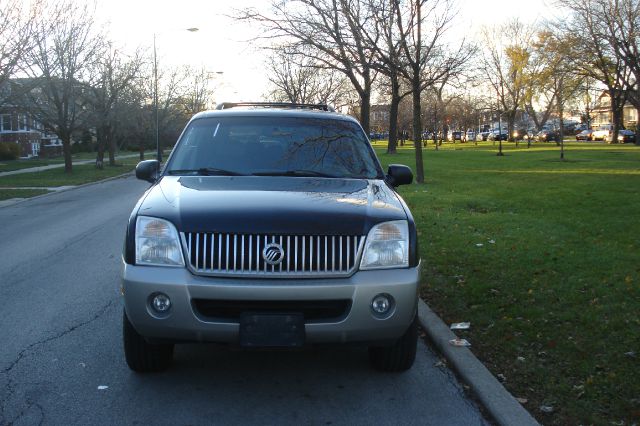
272	205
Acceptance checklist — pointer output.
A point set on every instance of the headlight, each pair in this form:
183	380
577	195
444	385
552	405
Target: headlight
387	246
157	243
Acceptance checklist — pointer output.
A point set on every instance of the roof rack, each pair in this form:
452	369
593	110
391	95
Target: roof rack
227	105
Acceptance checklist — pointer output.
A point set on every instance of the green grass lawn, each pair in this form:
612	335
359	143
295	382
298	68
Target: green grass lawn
6	194
10	165
84	173
542	256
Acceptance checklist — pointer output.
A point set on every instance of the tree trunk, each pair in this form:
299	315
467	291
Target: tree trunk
417	130
435	126
561	114
66	149
616	109
637	125
365	109
511	120
101	143
393	116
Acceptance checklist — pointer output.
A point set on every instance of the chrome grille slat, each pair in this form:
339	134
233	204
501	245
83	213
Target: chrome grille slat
197	251
223	254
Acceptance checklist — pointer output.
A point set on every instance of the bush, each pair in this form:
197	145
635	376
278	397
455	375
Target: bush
9	151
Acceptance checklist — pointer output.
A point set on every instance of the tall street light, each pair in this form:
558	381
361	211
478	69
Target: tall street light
155	92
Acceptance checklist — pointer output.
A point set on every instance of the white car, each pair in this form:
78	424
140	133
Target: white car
602	132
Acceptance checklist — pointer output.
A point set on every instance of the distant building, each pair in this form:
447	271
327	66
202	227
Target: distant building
602	113
379	118
18	125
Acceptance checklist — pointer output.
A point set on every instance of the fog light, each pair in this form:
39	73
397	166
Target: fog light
381	304
161	303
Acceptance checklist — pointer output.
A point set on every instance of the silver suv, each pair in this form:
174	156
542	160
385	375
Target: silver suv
271	226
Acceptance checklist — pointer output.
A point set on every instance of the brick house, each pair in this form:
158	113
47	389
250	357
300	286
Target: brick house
18	125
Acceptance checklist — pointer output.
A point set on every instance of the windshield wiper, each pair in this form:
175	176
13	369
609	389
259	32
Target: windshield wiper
297	173
205	171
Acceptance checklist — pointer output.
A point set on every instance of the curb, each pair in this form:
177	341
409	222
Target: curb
500	404
9	203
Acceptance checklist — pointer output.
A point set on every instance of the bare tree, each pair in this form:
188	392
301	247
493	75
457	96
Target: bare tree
301	79
332	32
426	61
113	73
65	45
622	21
197	92
16	35
389	51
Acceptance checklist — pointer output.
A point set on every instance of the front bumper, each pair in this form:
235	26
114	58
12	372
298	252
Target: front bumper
185	323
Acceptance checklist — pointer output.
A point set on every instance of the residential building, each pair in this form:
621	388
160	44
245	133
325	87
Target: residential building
379	118
602	113
17	126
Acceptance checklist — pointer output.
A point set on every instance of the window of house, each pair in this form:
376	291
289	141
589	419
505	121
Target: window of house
5	122
22	122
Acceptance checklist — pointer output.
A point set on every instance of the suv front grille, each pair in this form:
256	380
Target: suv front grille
242	254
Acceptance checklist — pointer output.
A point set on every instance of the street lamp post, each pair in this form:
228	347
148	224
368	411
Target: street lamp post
499	133
155	94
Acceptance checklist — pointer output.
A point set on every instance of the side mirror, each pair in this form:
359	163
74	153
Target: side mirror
398	174
148	170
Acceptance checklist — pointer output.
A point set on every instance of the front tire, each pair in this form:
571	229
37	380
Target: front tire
398	357
142	356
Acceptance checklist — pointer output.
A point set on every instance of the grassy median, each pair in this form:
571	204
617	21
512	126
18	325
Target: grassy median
542	256
80	174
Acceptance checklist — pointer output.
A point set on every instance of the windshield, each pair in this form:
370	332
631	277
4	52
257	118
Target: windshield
290	146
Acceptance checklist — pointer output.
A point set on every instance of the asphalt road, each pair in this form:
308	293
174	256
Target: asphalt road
60	330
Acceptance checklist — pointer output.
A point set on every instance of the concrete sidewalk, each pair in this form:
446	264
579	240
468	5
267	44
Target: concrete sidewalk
57	166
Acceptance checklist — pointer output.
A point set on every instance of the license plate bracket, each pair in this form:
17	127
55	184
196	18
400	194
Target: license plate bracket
271	330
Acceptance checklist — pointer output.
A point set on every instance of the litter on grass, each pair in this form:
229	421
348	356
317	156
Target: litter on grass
479	245
546	409
459	342
460	326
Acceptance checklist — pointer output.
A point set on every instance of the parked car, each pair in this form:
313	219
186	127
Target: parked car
470	135
496	135
624	136
482	136
547	136
585	135
271	226
602	132
454	136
